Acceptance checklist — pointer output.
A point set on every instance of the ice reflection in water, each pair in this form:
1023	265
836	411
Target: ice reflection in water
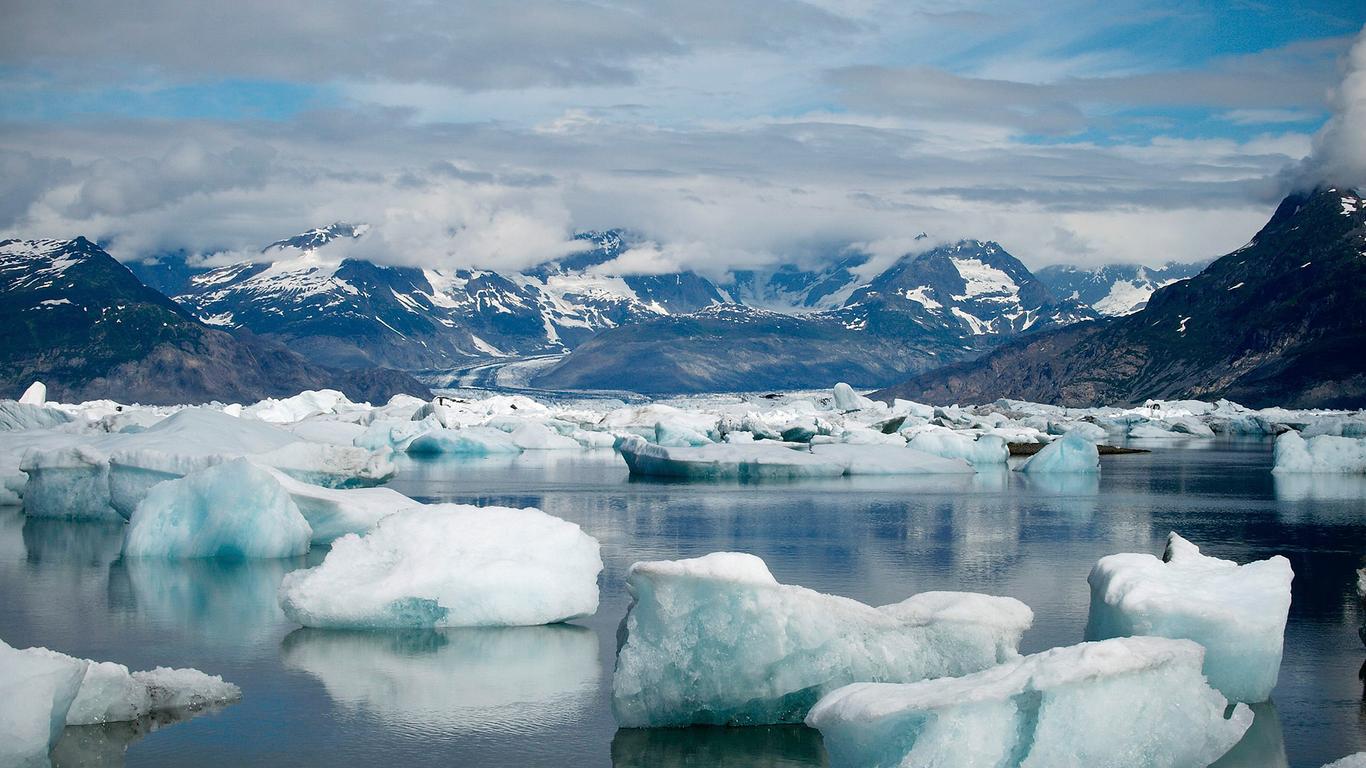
780	746
515	679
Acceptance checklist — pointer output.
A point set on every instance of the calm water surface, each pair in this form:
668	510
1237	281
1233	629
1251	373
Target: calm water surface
540	696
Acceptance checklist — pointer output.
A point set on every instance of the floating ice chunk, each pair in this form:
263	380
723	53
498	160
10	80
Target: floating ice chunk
532	436
36	394
231	510
1153	431
450	565
1237	613
846	399
1086	429
983	451
1324	453
291	409
674	434
717	640
744	461
16	416
1070	453
1137	702
334	512
391	435
1337	426
594	440
37	688
467	441
1351	761
70	483
328	431
889	460
110	694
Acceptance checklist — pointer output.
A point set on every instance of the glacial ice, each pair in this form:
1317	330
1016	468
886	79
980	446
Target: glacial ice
37	688
884	460
1138	702
986	450
36	394
1070	453
16	416
334	512
846	399
449	565
751	461
230	510
1237	612
466	441
538	437
1323	453
111	694
1351	761
717	640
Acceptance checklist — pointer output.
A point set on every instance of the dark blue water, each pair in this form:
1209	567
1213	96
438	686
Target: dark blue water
540	696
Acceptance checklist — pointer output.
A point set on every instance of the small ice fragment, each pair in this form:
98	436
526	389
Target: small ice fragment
1070	453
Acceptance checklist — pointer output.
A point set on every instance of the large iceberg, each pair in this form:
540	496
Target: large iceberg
717	640
889	460
1324	453
1070	453
1237	612
450	565
467	441
334	512
230	510
985	450
1138	702
744	461
37	688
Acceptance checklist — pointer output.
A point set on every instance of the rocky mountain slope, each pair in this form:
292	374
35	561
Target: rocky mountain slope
1114	289
84	324
1278	321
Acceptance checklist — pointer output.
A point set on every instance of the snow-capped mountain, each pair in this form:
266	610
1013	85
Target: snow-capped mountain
1114	289
83	323
1276	322
790	288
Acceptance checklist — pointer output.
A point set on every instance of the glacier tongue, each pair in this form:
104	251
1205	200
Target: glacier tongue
1237	612
1121	703
717	640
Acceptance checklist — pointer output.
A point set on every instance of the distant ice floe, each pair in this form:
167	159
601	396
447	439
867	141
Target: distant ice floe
717	640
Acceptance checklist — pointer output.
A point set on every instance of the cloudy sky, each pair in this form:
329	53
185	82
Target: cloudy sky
727	132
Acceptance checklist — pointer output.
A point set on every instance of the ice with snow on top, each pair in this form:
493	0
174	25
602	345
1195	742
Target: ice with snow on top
1323	453
717	640
111	694
1071	453
1237	612
846	399
466	441
742	461
37	688
231	510
449	565
334	512
1136	702
677	434
36	394
1351	761
292	409
532	436
985	450
889	460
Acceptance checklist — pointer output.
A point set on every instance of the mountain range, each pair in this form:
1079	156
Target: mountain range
1276	322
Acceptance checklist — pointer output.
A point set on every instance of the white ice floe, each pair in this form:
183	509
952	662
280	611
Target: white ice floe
1237	612
1072	454
752	461
37	688
36	394
111	694
532	436
717	640
1351	761
986	450
230	510
1122	703
1324	453
846	399
449	565
334	512
889	460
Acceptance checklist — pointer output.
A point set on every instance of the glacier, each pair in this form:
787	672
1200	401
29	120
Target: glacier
450	565
1237	612
1137	702
1070	453
230	510
717	640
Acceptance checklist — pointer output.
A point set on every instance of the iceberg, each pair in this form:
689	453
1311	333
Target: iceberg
1237	612
231	510
1351	761
742	461
1070	453
111	694
467	441
717	640
1137	702
334	512
36	394
889	460
538	437
1320	454
983	451
15	416
846	399
450	565
68	482
37	688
